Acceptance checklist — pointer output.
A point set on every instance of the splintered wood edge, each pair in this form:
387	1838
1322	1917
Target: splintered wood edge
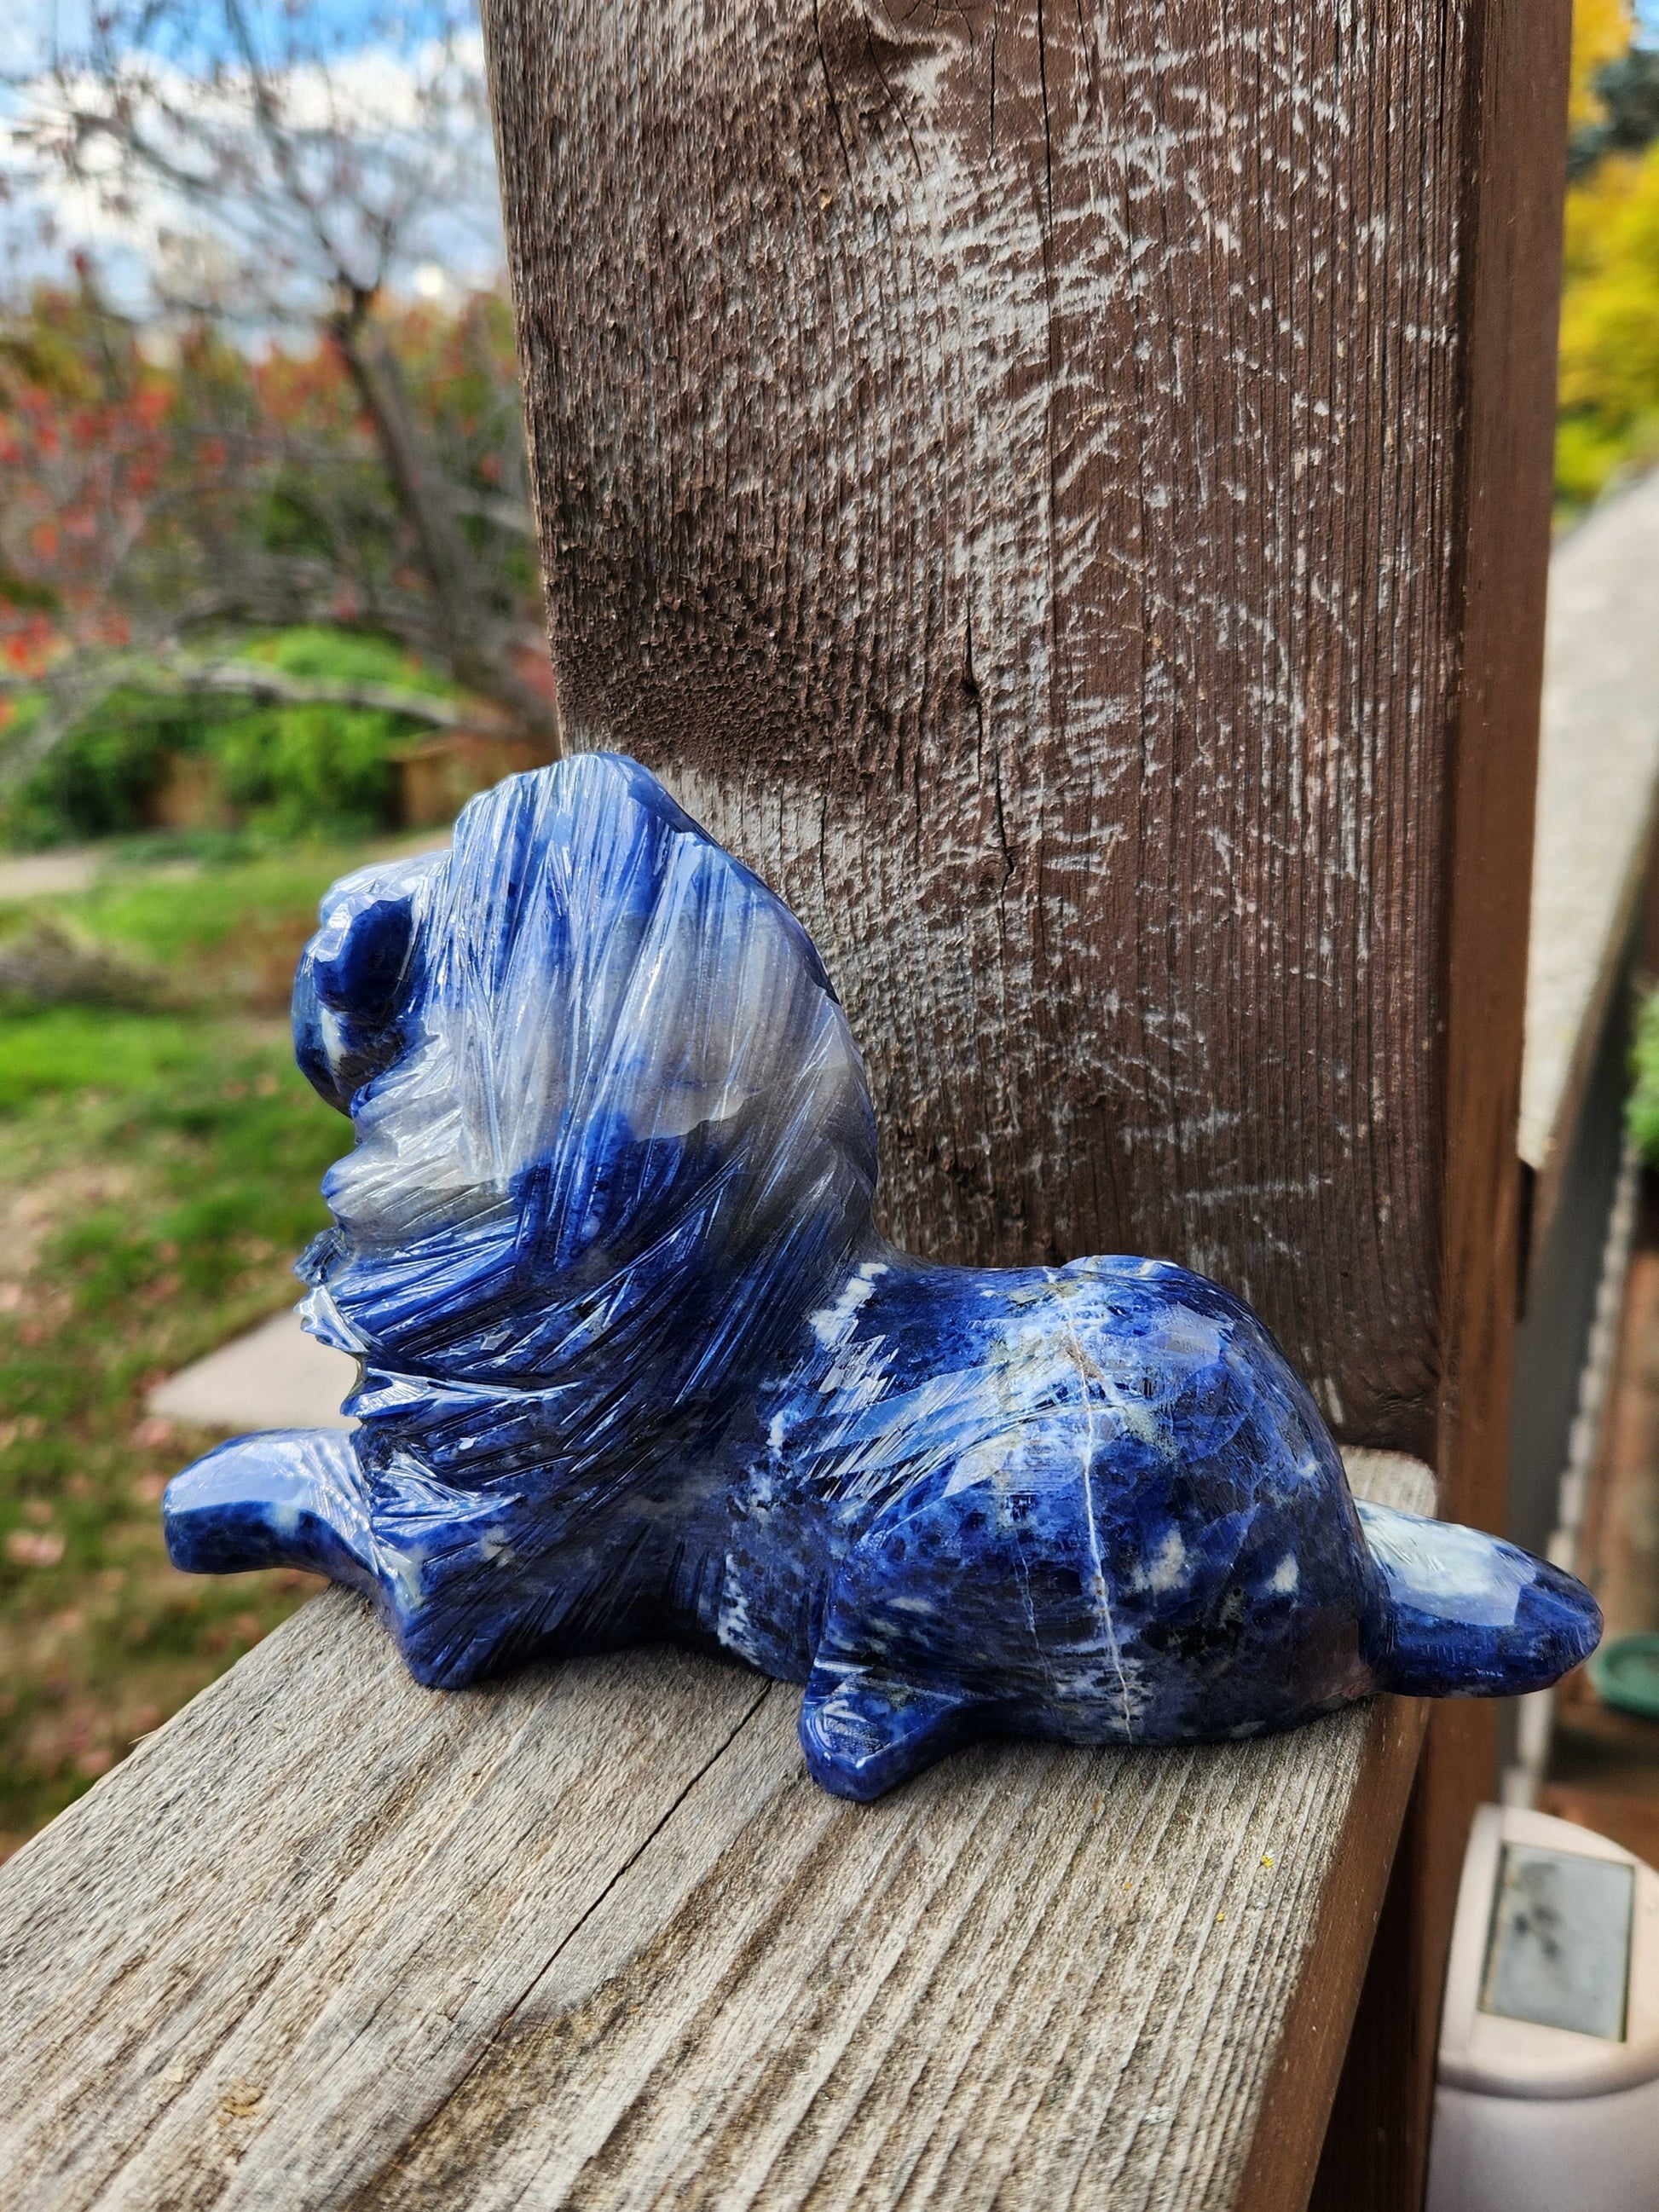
449	1977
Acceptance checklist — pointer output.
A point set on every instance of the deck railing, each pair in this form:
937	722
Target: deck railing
1065	493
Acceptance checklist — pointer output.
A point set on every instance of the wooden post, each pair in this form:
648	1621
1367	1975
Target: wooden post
1516	68
1064	491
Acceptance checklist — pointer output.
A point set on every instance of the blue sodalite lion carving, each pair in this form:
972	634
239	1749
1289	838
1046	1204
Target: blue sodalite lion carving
635	1364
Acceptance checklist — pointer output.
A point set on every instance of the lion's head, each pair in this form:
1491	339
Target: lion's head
588	1056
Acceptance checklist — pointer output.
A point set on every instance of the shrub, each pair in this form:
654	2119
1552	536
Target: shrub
95	780
288	771
318	770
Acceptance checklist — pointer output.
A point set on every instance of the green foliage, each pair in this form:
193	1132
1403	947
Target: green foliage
94	781
288	772
1609	373
1643	1109
298	771
1627	93
1608	420
191	489
1601	31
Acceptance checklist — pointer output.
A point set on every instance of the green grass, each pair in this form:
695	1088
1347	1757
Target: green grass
65	1050
1642	1110
158	1173
222	935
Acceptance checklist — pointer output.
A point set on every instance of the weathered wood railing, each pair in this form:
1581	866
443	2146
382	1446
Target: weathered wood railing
1065	493
593	1938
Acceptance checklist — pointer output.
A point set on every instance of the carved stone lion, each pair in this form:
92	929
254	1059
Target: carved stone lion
635	1364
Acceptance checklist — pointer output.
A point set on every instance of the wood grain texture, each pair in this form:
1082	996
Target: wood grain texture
1515	87
1006	464
592	1939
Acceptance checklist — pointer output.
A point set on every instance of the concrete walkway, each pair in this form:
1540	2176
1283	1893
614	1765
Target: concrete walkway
274	1377
44	875
76	867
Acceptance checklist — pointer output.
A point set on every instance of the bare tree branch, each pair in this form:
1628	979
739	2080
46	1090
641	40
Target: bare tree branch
291	200
249	679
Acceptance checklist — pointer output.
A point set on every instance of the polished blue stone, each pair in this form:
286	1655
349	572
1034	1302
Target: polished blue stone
635	1364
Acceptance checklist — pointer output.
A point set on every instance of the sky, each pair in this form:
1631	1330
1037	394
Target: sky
43	217
28	28
373	66
31	30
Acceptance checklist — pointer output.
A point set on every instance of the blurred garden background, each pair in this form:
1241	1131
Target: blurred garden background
269	607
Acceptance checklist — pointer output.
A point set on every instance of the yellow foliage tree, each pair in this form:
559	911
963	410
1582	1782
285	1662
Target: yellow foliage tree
1601	32
1608	418
1609	377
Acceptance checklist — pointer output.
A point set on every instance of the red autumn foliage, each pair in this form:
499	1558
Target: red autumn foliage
159	488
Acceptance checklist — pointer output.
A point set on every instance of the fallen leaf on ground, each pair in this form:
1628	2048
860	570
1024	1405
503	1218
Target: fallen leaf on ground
26	1549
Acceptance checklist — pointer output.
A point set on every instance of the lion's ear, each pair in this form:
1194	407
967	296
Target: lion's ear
355	974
